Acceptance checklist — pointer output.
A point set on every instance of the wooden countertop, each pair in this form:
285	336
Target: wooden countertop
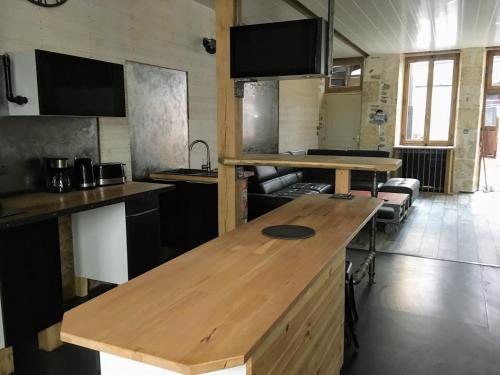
40	206
165	176
318	161
210	308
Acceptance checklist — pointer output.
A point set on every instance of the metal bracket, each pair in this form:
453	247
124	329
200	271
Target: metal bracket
239	89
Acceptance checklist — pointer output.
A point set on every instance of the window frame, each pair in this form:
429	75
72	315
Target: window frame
346	61
428	110
489	88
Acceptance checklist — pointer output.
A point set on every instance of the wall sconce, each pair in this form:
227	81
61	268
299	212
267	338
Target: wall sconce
210	45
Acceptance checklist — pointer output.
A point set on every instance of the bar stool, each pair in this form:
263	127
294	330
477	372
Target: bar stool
351	313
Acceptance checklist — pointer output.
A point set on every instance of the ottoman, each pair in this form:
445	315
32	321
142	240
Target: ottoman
409	186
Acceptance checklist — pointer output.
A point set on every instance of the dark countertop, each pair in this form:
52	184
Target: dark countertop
41	206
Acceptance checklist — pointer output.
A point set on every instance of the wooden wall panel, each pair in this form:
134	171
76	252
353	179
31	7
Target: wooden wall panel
315	320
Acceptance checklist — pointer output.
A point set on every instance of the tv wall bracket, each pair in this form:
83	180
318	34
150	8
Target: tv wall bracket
20	100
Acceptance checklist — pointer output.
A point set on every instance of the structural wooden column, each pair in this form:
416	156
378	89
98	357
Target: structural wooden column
6	361
229	118
50	338
342	181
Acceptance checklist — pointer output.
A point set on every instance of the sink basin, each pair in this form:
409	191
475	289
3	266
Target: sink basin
191	172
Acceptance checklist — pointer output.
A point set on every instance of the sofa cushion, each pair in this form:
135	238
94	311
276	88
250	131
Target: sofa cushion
314	186
268	187
365	185
293	193
368	153
321	151
403	185
264	172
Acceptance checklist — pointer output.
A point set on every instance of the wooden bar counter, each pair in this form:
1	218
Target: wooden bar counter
242	303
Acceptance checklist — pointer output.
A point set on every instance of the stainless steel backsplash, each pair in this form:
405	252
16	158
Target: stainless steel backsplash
25	141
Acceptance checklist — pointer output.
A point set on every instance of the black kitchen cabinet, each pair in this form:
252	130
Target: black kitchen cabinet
188	216
30	279
143	235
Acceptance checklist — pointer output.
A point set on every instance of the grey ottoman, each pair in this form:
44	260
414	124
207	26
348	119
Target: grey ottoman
409	186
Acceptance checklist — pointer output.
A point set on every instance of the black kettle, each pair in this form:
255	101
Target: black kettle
84	174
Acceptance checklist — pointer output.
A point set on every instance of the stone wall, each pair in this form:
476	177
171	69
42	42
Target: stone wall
382	86
470	106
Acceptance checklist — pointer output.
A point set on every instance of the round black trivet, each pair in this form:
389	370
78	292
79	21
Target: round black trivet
288	232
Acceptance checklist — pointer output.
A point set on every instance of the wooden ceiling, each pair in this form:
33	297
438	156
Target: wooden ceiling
394	26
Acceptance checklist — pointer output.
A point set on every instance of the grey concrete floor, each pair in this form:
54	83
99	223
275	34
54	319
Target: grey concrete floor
461	227
426	316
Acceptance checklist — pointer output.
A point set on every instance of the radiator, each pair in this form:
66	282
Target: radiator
428	165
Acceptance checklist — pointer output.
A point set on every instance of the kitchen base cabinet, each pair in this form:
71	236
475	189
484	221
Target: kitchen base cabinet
188	216
100	244
144	250
30	279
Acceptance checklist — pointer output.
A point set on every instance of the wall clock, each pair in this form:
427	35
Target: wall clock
48	3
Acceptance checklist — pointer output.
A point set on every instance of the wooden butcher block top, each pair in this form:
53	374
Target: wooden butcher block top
41	206
209	308
318	161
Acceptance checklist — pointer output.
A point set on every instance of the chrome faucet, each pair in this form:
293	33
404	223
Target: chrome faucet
206	167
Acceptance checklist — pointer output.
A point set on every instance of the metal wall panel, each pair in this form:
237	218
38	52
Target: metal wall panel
158	118
25	141
261	117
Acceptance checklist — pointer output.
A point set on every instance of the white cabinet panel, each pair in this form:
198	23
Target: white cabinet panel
100	244
114	365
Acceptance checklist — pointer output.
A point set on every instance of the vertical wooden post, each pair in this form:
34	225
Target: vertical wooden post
342	181
229	117
6	361
50	338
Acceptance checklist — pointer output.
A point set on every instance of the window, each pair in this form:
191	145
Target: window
493	72
347	75
429	103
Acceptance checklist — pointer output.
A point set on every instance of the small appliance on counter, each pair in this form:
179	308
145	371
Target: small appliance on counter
58	175
84	174
109	174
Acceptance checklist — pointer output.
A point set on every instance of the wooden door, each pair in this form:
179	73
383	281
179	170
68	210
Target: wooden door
489	132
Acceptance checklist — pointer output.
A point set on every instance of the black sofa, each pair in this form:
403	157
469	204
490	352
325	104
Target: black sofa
271	187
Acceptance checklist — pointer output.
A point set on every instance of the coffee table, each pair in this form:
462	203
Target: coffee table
399	202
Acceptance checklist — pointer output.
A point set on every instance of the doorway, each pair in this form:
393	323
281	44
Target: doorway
490	157
342	121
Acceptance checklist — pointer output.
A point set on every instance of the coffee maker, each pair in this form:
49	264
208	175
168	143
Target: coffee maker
58	175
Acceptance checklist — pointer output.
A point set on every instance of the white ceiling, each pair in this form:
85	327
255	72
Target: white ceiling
395	26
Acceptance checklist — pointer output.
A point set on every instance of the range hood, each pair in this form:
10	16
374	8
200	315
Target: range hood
55	84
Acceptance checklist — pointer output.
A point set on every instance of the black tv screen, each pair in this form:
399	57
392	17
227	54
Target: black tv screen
77	86
292	48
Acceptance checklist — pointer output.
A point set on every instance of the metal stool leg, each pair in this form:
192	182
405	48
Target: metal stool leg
349	320
352	301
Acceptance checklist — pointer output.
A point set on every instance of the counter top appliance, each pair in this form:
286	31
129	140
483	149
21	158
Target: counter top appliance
58	175
84	173
109	174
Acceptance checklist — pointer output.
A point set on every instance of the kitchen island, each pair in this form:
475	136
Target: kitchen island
242	303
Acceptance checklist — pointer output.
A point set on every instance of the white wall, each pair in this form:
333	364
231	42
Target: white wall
165	33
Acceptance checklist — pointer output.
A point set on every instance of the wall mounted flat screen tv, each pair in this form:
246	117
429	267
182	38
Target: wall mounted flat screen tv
279	50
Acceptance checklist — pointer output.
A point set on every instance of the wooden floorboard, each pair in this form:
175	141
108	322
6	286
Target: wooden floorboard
460	227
